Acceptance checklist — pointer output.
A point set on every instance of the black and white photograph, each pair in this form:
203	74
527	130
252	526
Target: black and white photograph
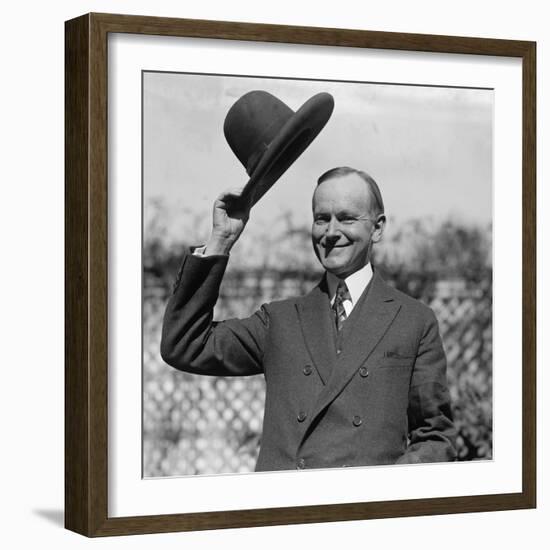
276	275
317	274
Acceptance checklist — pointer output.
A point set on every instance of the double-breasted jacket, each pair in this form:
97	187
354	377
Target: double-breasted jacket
383	400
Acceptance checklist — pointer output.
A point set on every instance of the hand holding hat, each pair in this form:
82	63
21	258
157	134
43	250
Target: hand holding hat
230	216
267	137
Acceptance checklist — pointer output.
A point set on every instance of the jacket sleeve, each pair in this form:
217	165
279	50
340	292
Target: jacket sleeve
432	433
192	342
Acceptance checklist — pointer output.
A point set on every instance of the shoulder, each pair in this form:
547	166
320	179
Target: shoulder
312	297
283	305
411	305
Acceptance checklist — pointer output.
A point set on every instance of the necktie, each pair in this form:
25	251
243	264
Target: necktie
342	293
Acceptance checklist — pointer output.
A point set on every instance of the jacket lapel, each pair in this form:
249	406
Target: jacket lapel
318	329
373	316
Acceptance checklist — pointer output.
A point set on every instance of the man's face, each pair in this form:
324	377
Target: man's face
344	224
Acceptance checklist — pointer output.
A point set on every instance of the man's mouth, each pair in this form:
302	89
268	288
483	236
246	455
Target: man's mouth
331	246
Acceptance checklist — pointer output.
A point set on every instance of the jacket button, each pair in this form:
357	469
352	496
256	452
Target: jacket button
308	369
357	421
363	372
301	416
301	464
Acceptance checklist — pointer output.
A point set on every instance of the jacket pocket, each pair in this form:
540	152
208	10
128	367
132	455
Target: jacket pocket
395	359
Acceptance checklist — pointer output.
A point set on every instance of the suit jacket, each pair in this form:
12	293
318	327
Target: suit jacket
382	400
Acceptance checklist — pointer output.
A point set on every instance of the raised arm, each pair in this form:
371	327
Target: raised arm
191	341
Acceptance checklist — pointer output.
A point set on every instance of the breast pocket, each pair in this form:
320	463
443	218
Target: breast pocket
397	359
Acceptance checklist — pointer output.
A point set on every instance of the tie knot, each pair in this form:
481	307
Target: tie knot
342	292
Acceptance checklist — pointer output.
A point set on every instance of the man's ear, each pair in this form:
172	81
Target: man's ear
379	226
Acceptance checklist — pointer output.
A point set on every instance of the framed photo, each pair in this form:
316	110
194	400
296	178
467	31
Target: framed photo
429	409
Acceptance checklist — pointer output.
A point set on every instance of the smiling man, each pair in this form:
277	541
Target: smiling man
348	217
355	371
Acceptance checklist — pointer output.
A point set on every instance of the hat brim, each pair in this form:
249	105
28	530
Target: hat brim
291	141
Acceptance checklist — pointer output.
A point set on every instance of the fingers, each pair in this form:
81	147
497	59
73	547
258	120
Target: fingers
230	194
233	200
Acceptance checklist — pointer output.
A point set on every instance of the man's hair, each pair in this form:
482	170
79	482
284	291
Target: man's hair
371	184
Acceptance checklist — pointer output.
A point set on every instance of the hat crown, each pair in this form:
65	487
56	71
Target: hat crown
252	124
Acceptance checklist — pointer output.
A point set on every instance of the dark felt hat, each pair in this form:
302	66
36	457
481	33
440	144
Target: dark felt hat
267	136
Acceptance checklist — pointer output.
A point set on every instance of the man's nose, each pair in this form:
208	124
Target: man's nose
333	229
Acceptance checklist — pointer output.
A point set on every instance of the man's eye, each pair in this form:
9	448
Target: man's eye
348	220
321	221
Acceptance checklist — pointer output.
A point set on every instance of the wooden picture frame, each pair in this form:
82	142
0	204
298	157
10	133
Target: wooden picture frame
86	282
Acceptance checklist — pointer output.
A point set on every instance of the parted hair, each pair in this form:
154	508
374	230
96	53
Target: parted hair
369	180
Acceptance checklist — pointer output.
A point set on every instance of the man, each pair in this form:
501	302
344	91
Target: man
355	371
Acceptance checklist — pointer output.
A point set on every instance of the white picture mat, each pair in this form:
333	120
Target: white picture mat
129	495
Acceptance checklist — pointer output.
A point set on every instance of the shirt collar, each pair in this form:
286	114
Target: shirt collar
356	283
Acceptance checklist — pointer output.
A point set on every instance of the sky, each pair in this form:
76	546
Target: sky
428	148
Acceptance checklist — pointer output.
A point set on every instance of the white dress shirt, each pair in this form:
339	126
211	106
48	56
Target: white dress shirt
357	282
